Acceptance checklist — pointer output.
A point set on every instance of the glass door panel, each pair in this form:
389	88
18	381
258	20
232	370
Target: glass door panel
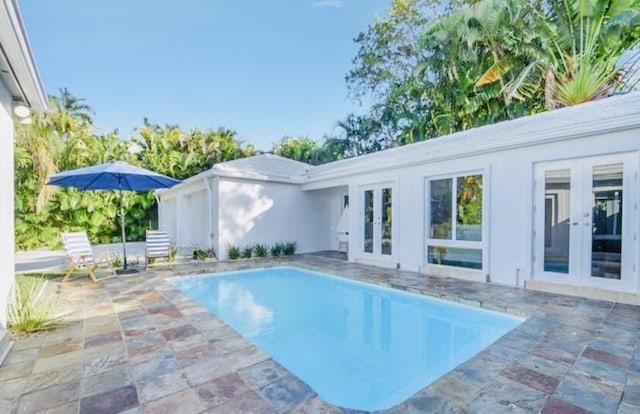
377	220
606	224
557	217
386	222
585	232
469	208
368	221
441	206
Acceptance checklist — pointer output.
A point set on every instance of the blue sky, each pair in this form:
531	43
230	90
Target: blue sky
262	68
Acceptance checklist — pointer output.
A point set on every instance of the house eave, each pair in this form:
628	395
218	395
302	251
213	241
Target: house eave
239	175
243	175
17	64
609	115
596	118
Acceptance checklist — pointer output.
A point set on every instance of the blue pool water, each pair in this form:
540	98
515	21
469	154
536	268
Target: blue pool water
358	346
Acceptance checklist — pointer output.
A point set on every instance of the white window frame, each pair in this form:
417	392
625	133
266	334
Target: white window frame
481	245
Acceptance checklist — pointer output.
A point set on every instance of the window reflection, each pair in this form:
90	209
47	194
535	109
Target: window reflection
606	241
368	221
557	210
386	221
441	209
456	215
469	208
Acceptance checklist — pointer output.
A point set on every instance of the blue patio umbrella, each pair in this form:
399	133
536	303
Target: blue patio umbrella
114	175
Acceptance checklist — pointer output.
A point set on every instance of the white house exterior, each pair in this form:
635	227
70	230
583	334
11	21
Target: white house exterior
19	83
248	201
548	201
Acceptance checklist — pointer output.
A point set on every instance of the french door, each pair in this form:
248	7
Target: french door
585	222
377	221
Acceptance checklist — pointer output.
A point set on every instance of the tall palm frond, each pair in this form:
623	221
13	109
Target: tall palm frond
582	41
74	106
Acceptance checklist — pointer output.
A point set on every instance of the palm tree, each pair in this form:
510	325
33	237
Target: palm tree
582	41
74	106
43	140
38	147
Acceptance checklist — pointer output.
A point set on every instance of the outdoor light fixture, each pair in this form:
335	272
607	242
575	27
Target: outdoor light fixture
26	121
21	110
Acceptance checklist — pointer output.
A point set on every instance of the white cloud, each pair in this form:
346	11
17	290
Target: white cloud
336	4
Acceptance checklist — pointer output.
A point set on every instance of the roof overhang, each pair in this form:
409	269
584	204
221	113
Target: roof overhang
17	67
594	118
237	175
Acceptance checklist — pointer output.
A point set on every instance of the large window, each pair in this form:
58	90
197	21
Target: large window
454	233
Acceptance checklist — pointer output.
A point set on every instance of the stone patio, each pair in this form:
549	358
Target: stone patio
136	344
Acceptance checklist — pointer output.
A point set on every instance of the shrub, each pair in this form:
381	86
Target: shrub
233	252
289	248
173	252
276	250
202	254
116	261
261	250
247	252
32	310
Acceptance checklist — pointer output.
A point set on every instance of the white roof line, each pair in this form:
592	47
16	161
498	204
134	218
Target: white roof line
16	58
608	115
615	113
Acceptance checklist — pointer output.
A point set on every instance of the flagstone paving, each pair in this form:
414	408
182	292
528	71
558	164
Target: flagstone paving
136	344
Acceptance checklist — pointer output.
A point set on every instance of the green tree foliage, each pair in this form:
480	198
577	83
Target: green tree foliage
64	138
581	41
181	154
304	149
431	70
301	149
428	67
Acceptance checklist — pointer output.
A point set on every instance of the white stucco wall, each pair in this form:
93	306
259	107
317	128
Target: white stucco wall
265	212
215	212
328	208
306	210
189	213
167	219
7	275
197	211
176	214
508	183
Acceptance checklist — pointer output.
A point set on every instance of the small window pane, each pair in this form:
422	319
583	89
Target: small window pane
441	200
557	226
469	208
606	234
387	207
368	221
449	256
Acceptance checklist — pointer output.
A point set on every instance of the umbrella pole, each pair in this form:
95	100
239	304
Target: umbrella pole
124	240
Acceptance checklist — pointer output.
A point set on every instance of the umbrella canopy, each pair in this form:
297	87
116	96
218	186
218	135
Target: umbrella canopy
114	175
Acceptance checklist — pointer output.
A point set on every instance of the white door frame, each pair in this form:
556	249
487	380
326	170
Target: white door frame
580	222
376	255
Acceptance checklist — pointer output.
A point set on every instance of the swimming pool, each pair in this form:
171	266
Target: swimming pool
357	345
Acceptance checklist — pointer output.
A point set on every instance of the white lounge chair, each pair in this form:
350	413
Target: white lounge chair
80	254
158	245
